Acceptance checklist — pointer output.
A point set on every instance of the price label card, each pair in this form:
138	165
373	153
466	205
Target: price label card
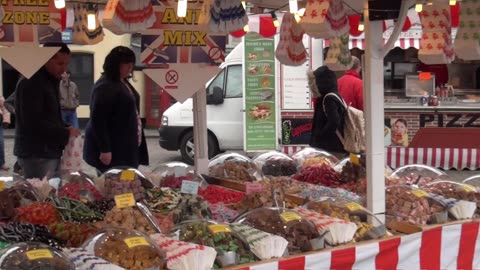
189	187
464	187
125	200
354	159
2	185
419	193
354	206
135	242
219	228
252	188
39	254
127	175
180	171
290	216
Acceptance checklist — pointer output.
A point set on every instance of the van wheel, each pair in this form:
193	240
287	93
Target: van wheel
187	147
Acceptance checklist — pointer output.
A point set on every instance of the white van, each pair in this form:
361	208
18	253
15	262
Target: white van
224	113
225	105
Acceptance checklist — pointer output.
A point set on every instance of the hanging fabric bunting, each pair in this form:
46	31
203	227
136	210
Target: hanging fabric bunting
204	17
126	16
80	32
467	46
314	21
436	44
337	17
338	55
227	16
290	50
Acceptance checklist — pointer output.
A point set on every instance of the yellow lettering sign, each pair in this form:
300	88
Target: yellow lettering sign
185	38
27	17
169	16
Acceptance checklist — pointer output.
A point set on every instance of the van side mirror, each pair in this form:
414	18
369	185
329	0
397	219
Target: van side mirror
216	97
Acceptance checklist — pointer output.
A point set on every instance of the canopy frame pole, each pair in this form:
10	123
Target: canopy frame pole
200	131
374	114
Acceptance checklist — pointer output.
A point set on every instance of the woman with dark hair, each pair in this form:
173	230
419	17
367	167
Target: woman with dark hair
114	133
328	113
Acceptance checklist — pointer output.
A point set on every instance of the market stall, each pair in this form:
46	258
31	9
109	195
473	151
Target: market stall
307	210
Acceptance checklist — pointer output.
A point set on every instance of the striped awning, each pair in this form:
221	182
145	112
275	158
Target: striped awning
403	43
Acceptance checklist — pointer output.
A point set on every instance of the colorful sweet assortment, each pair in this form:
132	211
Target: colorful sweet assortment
244	211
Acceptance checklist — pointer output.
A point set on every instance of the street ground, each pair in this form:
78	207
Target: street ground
158	155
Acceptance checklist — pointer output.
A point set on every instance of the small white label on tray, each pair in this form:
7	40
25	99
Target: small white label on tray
189	187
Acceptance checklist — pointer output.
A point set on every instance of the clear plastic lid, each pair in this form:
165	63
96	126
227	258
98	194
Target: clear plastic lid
309	156
78	186
299	232
276	164
129	249
171	174
473	180
120	181
16	195
369	226
234	166
33	255
137	218
450	189
216	235
412	205
418	174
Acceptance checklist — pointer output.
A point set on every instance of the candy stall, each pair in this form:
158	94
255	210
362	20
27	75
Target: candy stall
304	210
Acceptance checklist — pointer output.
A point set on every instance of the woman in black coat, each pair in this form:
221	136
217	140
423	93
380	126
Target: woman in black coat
114	133
326	122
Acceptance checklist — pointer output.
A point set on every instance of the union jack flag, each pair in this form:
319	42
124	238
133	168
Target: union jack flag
13	33
156	51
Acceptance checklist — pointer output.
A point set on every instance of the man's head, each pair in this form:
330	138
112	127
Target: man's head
58	64
325	79
356	65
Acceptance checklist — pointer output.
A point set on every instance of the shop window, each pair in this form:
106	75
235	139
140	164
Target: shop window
81	68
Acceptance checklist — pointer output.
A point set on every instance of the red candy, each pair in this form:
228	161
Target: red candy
215	194
174	182
319	174
71	190
40	213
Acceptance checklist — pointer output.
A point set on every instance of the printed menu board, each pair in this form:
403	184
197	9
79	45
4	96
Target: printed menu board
260	95
294	84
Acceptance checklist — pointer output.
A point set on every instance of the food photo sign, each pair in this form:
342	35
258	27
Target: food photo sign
260	93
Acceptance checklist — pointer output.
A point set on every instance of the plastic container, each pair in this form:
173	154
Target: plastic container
230	249
120	181
234	166
309	156
473	180
460	191
369	226
32	256
417	174
412	205
126	248
274	163
79	186
300	233
171	174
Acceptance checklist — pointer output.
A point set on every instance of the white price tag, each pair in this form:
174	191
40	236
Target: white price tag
180	171
189	187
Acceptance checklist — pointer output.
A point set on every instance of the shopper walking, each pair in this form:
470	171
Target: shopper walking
5	116
69	100
40	134
328	113
114	133
350	85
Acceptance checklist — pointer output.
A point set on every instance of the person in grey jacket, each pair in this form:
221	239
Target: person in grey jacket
40	134
69	100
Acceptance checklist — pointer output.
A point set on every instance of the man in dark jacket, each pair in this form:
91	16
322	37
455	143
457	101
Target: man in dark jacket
327	120
40	134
